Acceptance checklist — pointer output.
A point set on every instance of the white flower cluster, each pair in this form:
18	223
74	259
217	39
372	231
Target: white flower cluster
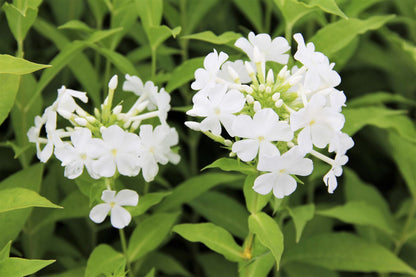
106	143
276	115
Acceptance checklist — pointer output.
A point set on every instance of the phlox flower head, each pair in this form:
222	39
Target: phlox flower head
106	143
113	204
274	116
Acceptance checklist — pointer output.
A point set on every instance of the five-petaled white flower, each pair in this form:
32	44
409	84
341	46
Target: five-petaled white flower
120	217
258	133
218	108
280	168
121	151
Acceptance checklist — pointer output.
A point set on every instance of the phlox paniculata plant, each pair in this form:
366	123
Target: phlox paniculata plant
110	142
271	115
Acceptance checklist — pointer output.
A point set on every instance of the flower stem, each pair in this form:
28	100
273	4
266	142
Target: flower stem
124	247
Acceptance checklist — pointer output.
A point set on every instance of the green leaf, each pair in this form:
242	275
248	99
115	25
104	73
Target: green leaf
214	237
268	232
378	98
301	215
355	7
208	36
150	12
329	6
13	65
259	266
228	164
9	85
19	21
357	118
158	34
146	202
149	234
356	190
301	270
151	273
198	9
252	11
20	198
79	65
254	201
215	265
76	25
67	54
223	211
404	154
193	187
11	223
104	260
335	36
184	73
346	252
17	267
166	264
360	213
292	11
5	252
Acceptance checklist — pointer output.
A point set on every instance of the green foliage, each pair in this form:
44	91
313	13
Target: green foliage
202	216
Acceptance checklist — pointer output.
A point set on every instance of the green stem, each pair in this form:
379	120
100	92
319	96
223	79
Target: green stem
288	33
404	236
153	63
124	247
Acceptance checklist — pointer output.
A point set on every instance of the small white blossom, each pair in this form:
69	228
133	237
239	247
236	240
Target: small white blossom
260	48
281	168
120	217
330	179
113	82
259	132
155	147
121	151
206	77
218	108
83	151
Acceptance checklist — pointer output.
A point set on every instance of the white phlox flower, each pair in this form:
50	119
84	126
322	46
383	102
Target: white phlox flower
261	48
218	108
270	109
320	73
82	151
120	217
155	147
120	151
330	179
320	123
259	132
205	78
98	142
280	168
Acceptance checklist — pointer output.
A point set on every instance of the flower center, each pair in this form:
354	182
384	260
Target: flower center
282	171
114	152
311	122
217	111
260	138
83	156
112	204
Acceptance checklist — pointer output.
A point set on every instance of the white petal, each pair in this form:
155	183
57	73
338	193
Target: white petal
99	212
127	197
246	149
120	217
284	186
128	164
264	183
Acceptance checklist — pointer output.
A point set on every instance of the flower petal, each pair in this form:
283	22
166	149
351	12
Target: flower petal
99	212
127	197
120	217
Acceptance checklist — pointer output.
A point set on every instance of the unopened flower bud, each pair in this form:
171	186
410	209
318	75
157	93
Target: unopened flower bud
249	99
248	89
270	77
278	103
249	68
228	142
90	119
117	109
113	82
276	96
81	121
233	74
268	89
232	154
282	73
256	106
192	125
262	87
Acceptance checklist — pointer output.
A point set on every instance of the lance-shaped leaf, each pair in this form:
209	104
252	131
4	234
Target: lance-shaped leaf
228	164
17	267
9	85
184	73
208	36
346	252
104	260
20	198
268	232
301	215
254	201
20	21
13	65
214	237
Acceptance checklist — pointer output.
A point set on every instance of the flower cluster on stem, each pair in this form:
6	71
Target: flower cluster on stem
276	116
108	141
